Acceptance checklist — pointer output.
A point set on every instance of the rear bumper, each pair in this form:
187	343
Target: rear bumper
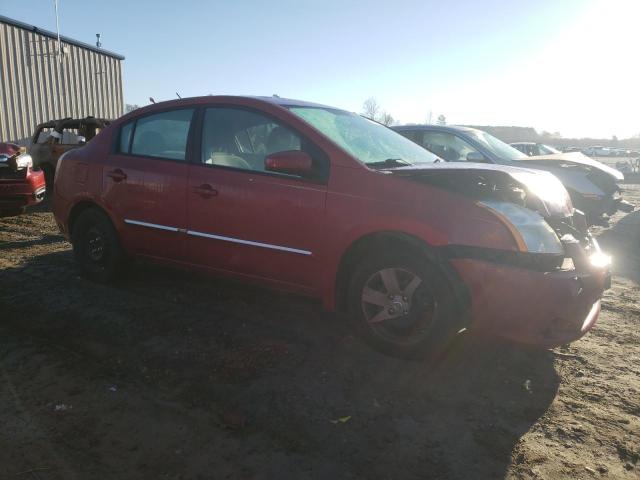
22	190
541	308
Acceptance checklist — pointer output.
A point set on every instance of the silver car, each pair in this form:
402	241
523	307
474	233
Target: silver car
593	186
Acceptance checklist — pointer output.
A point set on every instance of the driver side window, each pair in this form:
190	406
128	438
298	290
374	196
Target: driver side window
447	146
242	139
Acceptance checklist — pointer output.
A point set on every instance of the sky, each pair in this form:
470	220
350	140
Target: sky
570	66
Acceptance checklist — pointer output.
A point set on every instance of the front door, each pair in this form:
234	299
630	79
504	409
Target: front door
244	219
144	183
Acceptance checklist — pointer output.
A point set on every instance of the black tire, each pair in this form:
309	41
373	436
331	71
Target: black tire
432	319
96	246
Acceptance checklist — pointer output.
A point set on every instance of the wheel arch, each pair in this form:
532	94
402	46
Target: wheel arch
80	207
371	242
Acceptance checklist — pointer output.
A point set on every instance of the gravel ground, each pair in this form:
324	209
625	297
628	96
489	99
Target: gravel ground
172	375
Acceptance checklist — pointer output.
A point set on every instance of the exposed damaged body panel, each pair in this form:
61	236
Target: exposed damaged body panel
51	139
505	184
494	182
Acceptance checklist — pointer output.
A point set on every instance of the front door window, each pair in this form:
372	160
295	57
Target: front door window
447	146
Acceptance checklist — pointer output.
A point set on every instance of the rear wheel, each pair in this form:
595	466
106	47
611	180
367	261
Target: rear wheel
96	246
402	305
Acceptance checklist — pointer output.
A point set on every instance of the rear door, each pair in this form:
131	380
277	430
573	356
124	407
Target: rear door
244	219
144	182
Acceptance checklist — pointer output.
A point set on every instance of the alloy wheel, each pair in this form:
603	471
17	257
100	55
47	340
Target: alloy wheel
397	304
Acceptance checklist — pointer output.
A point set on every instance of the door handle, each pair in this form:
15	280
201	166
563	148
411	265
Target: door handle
205	191
117	175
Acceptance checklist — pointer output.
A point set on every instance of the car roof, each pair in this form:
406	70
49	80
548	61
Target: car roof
221	99
274	100
290	102
435	128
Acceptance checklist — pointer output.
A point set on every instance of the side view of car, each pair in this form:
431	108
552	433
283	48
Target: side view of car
534	149
318	201
598	151
51	139
592	185
20	185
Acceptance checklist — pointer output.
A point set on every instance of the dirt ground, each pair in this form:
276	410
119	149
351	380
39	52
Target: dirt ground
169	375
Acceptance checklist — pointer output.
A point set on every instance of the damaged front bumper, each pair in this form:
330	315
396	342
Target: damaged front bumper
530	302
21	189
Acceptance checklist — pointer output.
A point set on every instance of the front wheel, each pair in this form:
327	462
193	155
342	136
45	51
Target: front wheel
402	305
96	246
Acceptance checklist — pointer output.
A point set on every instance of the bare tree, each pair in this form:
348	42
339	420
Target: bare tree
386	119
371	108
130	107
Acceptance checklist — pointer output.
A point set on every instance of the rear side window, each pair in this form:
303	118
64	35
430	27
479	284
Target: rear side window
163	135
125	137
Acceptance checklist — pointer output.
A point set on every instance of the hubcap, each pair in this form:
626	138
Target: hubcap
390	290
398	305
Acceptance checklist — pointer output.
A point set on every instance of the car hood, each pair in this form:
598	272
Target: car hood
487	180
572	158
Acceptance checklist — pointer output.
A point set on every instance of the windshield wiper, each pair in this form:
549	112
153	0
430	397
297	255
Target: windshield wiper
390	163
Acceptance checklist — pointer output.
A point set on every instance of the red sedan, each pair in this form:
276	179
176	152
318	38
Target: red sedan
319	201
20	185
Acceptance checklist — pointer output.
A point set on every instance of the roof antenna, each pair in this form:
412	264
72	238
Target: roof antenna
152	100
178	95
98	43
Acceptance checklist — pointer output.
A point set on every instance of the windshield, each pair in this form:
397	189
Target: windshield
368	141
547	150
498	147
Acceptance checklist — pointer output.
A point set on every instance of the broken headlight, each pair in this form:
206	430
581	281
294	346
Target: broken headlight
532	232
24	161
553	198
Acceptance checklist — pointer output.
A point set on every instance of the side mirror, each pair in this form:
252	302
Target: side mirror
476	157
291	162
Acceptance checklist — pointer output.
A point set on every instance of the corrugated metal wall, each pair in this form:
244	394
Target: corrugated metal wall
36	87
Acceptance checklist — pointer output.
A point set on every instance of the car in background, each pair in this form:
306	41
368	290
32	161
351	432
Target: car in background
51	139
534	149
20	185
592	185
624	152
598	151
316	200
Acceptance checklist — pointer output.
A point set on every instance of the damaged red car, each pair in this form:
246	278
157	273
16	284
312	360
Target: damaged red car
20	185
319	201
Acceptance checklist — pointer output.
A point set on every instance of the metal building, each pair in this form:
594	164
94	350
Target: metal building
41	80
